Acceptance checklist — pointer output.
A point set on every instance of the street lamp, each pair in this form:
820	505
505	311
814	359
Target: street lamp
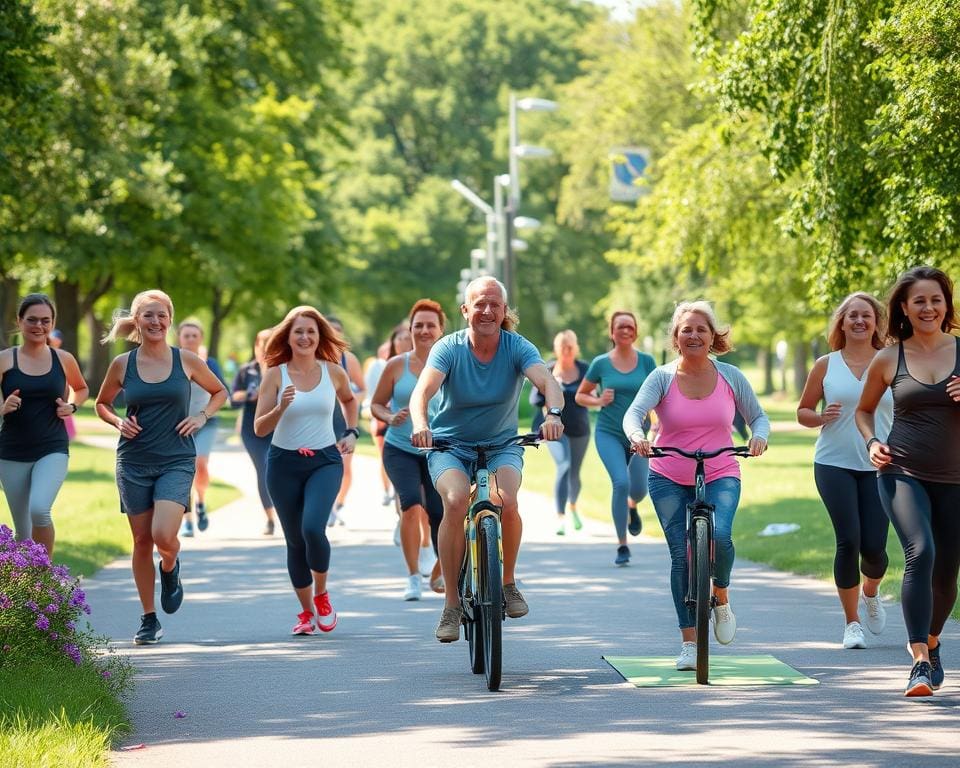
489	216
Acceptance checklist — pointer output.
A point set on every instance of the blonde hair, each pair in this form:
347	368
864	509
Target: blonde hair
567	337
510	318
332	345
837	339
721	336
125	321
190	324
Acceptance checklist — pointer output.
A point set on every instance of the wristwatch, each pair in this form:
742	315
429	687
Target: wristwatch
351	431
558	412
74	406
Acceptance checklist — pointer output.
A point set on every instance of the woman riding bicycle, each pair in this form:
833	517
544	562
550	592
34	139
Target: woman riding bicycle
695	398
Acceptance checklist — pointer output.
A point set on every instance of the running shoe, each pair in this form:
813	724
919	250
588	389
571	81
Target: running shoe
426	560
687	660
636	524
269	528
448	630
414	588
919	683
853	636
326	616
171	590
396	534
516	606
577	522
387	499
724	624
335	516
623	555
874	614
936	668
186	529
150	630
304	625
203	522
561	528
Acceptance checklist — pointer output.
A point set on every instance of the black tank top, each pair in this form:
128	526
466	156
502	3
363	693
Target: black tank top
159	408
925	437
34	430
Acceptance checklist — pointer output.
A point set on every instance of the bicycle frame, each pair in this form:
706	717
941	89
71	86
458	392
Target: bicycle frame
698	508
480	506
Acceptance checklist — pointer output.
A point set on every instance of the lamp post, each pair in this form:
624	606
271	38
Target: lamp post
518	151
490	217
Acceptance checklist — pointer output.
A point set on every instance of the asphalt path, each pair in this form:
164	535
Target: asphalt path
380	691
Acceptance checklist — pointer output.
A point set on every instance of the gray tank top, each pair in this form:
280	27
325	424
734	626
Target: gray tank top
159	408
925	437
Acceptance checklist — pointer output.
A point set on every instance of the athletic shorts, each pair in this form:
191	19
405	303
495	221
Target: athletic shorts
465	460
141	485
408	473
203	438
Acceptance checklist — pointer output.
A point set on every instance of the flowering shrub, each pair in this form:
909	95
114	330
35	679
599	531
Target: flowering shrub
40	607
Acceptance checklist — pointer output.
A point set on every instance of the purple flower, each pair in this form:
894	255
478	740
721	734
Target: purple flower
105	674
73	652
71	626
42	623
19	560
5	602
52	608
78	598
60	572
31	605
54	636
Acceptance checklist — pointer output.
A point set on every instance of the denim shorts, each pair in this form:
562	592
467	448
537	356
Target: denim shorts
141	485
203	438
465	460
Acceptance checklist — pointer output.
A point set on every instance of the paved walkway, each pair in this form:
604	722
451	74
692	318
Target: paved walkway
381	691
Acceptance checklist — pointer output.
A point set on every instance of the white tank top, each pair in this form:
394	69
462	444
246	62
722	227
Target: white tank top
840	443
308	420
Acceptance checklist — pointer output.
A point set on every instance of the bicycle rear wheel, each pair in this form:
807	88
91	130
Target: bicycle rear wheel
472	627
701	566
491	600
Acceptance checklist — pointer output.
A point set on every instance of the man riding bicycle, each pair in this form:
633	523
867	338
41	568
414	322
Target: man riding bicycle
479	372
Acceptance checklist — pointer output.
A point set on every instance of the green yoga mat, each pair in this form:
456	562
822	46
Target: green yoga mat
652	671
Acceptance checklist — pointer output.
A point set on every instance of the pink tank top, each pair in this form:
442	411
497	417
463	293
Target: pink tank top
692	424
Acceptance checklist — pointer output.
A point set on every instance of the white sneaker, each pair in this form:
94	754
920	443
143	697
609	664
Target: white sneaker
396	534
426	561
724	624
853	636
874	615
687	659
414	588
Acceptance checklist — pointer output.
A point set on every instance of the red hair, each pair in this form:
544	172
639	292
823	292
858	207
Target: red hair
331	347
428	305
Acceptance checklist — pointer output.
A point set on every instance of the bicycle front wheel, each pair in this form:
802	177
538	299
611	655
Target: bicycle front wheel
701	566
491	600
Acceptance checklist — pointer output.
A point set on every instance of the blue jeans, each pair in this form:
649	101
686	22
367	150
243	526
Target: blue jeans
628	475
670	500
567	453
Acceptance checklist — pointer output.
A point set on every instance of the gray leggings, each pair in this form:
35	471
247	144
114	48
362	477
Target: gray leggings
31	488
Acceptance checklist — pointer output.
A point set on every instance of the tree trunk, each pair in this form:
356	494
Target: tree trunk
99	358
9	289
219	308
66	296
800	348
765	361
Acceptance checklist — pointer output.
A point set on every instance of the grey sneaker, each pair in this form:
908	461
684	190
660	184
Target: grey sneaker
448	630
514	602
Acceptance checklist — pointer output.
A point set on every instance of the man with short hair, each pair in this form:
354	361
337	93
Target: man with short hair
479	373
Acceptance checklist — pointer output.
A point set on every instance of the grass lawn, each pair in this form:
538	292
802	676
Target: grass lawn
53	716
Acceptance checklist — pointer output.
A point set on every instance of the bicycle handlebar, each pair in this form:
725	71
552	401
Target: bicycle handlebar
660	451
442	444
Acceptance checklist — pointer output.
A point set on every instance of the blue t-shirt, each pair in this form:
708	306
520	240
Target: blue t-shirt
624	385
478	401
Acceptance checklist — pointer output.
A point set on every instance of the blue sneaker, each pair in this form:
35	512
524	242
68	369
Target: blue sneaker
202	520
936	668
623	555
636	524
186	529
171	590
919	683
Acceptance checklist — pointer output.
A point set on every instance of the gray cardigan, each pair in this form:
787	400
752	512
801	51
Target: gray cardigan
657	384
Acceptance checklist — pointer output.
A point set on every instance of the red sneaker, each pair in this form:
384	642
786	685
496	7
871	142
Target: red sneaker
304	625
326	616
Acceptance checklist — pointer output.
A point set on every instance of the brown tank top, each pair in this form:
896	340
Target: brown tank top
925	437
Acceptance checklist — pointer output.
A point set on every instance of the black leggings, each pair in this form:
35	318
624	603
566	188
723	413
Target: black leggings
257	448
410	477
926	517
859	523
303	489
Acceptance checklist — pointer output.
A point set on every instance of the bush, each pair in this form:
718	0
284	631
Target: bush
41	606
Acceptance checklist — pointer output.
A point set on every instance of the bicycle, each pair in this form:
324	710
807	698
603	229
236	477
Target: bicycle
700	549
481	576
